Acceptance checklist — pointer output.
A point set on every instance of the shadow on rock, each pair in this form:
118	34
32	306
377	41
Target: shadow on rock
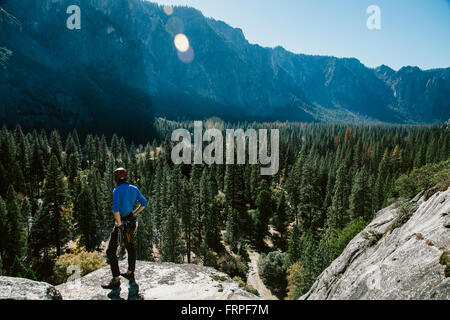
133	291
115	294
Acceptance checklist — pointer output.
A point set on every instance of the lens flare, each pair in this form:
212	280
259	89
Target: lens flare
181	42
168	9
174	26
186	57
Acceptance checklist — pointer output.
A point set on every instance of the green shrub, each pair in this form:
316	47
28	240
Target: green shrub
405	210
338	239
373	236
233	266
85	261
273	272
216	277
408	185
242	252
21	270
209	258
247	287
297	281
444	259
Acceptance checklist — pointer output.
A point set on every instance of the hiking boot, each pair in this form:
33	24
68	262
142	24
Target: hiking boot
128	276
111	285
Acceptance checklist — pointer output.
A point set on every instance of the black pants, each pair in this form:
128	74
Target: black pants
128	235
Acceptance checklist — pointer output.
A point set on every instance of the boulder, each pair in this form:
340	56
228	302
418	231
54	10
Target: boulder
24	289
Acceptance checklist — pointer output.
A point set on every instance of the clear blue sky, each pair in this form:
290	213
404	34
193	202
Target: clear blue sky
413	32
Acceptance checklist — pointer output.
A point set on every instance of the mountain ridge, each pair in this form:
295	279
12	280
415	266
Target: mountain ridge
131	41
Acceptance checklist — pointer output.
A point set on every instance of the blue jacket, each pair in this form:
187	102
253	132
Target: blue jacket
124	198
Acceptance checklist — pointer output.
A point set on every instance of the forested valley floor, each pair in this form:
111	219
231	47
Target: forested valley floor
56	199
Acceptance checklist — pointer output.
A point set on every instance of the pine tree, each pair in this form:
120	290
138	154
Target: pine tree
292	183
337	213
15	231
54	204
211	227
76	140
254	182
90	150
144	238
56	146
172	246
26	215
280	221
123	153
187	216
196	173
242	251
380	184
102	154
22	153
36	168
308	258
156	204
3	226
115	147
229	184
86	218
309	198
107	187
360	204
71	149
295	244
231	235
262	214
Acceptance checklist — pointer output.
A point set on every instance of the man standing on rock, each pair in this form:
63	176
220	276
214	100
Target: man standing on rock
124	198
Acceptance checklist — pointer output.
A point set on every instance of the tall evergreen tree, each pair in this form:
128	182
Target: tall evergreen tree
54	206
86	218
187	216
3	226
360	198
337	213
309	198
232	231
380	184
56	146
263	213
172	247
15	231
115	147
295	244
36	169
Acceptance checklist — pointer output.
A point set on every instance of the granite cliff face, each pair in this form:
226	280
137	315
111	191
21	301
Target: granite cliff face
123	61
154	281
395	257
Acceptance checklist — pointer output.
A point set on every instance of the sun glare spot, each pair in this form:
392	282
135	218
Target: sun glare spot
181	42
186	57
168	9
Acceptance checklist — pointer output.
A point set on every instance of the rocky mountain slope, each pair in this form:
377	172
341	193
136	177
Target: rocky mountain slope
124	52
399	255
154	281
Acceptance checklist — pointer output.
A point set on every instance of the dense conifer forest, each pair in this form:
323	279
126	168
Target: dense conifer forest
56	197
